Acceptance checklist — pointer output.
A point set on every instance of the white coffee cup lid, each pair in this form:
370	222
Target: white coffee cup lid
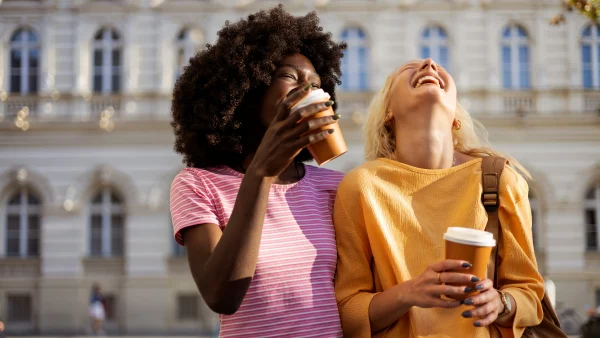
470	237
312	97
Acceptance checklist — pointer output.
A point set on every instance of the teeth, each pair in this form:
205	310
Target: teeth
427	78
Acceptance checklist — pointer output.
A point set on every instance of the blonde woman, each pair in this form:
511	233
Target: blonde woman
422	175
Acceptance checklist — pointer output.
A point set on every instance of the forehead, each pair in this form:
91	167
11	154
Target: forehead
297	61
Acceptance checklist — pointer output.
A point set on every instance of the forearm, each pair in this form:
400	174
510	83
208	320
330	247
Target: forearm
228	271
386	308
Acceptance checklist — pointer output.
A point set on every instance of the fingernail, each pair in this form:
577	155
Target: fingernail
468	302
466	314
468	289
466	265
478	287
477	324
328	103
336	116
307	87
474	279
330	131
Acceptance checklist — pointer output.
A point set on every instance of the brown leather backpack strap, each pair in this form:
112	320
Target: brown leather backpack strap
491	170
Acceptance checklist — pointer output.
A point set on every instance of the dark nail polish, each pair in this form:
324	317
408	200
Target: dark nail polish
474	279
477	324
330	131
466	314
478	287
466	265
336	116
468	302
468	289
307	87
328	103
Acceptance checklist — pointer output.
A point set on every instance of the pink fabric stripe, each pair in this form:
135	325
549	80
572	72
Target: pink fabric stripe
292	292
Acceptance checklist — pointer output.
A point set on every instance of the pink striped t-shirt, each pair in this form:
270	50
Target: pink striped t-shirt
292	292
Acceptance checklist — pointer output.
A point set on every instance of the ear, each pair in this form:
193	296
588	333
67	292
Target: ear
389	116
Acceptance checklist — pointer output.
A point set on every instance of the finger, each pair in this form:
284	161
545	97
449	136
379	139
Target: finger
449	264
458	278
294	96
446	304
313	124
485	285
308	111
448	290
482	298
484	310
312	138
488	320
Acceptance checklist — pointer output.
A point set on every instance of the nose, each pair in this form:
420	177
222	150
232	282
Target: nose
429	63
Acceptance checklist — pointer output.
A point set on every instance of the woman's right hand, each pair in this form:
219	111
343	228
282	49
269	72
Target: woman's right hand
287	134
427	289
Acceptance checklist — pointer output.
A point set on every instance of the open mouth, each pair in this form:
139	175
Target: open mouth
429	80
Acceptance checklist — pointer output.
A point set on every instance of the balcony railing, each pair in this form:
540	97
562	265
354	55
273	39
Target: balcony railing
13	105
19	267
591	102
520	103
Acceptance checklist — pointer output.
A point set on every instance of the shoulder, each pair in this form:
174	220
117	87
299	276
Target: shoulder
513	185
325	177
360	177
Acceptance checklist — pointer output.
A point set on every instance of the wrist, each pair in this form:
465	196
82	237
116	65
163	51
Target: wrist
401	295
257	174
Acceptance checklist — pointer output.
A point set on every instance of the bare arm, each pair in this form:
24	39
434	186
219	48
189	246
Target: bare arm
223	263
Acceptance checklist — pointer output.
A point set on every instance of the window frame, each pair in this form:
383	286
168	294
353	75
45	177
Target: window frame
107	45
184	43
514	42
107	209
25	71
355	63
24	210
592	41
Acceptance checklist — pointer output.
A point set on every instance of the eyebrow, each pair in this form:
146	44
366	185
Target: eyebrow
299	69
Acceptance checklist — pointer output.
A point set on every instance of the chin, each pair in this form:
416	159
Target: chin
303	157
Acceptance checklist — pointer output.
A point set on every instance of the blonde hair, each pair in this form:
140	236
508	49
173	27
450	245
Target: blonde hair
471	139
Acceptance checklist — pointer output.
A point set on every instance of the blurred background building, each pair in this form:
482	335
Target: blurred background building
86	156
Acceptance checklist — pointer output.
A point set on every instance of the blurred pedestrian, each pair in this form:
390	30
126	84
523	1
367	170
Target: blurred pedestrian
256	221
97	310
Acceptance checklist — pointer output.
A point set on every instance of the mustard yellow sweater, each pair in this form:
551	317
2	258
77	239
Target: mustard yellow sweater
389	219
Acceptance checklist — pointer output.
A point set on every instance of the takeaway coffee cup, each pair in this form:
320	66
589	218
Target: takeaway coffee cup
473	246
334	145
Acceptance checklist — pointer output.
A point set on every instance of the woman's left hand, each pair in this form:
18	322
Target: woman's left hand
488	304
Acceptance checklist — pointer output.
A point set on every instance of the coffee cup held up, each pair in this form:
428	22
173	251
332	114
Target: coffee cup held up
473	246
334	145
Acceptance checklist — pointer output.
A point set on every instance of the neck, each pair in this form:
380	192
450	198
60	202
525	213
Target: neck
425	145
292	174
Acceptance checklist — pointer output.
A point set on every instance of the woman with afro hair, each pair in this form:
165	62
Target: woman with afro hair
255	221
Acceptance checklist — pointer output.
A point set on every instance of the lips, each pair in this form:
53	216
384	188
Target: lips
428	78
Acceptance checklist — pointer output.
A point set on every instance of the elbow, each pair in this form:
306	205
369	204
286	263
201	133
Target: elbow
222	305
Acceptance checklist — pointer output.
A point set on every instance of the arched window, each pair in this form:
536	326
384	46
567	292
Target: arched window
515	58
434	44
107	222
108	61
24	62
355	60
23	224
189	42
592	218
590	56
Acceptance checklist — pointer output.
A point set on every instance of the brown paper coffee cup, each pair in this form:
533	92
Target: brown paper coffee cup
473	246
334	145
